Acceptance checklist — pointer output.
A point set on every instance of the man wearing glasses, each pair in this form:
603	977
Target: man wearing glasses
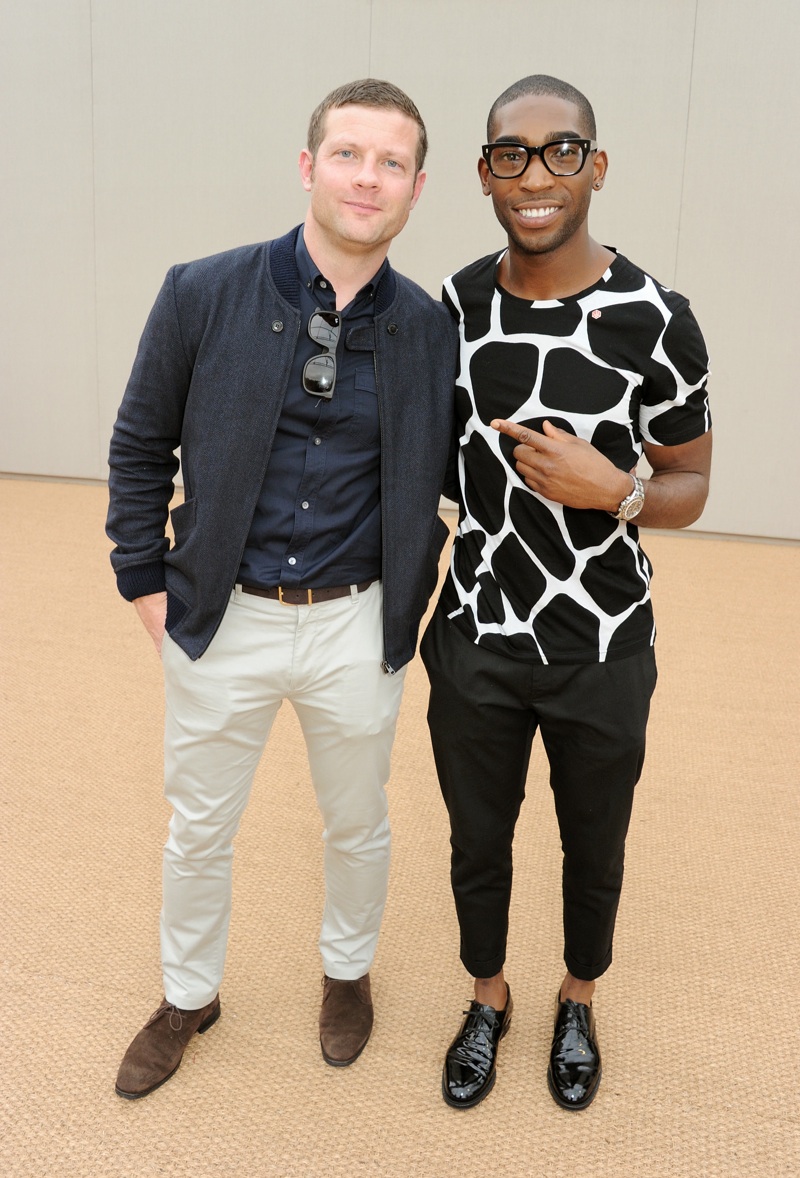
574	362
310	389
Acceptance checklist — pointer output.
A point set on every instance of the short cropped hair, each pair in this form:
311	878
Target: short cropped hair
367	92
543	85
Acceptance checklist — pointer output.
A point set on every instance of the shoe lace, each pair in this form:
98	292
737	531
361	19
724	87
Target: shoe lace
475	1046
175	1019
574	1045
175	1016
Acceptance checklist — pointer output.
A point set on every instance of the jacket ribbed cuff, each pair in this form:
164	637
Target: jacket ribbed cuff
141	579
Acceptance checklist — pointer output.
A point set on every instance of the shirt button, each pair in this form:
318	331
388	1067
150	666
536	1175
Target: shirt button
304	505
392	329
323	284
277	325
292	560
317	441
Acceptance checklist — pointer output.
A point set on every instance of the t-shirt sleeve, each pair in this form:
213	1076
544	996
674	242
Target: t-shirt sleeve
674	398
447	299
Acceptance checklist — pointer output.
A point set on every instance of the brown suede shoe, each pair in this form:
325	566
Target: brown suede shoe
156	1052
345	1020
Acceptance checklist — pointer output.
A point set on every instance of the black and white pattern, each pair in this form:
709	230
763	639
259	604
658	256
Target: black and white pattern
621	362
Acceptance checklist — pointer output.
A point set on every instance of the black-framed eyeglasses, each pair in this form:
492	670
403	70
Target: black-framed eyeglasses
562	157
319	373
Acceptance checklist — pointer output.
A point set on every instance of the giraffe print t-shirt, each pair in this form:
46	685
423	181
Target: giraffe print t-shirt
621	362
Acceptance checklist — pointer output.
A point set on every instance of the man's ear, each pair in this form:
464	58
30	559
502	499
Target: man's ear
419	184
600	169
306	165
485	175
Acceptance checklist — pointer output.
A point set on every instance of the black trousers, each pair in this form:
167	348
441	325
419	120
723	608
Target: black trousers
483	714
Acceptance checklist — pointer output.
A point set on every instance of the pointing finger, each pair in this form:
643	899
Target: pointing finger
519	432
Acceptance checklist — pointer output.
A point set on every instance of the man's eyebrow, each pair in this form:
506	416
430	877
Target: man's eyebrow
550	137
346	142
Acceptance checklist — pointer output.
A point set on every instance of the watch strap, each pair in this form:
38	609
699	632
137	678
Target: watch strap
634	499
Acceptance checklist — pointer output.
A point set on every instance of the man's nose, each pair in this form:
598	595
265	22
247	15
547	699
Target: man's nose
367	173
536	176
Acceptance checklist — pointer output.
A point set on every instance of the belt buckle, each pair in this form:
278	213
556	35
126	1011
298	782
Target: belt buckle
281	600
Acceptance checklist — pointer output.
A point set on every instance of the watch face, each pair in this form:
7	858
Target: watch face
633	508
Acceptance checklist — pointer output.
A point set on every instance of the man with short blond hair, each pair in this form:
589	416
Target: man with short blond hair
309	388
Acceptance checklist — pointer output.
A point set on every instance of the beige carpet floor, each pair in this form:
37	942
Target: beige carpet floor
697	1017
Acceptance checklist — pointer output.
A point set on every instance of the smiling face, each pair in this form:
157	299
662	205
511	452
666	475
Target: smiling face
363	180
542	213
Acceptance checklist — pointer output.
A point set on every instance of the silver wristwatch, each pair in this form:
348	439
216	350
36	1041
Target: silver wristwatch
632	504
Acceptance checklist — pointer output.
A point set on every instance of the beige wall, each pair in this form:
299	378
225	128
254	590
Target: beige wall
137	133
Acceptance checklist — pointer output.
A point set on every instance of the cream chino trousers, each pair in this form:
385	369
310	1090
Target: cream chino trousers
326	660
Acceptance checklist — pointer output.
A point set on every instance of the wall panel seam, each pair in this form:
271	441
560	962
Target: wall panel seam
685	148
369	42
95	317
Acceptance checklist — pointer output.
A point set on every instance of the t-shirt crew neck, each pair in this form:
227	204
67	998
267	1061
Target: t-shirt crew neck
543	304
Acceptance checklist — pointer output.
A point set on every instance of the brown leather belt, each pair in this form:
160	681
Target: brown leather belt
305	596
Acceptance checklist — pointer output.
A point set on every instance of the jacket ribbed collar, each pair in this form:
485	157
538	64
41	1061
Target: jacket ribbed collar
283	266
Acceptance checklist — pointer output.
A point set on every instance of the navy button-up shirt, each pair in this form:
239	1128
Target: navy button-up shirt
317	523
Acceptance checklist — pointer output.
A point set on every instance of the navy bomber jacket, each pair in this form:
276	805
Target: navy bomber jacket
210	376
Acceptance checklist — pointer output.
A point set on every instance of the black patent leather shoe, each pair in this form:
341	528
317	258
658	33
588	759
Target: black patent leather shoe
574	1072
471	1061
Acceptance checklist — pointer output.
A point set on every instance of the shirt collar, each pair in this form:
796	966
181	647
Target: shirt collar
312	277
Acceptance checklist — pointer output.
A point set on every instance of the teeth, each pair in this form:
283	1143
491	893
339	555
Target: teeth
533	214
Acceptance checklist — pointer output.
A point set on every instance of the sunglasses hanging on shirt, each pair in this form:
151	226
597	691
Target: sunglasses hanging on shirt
319	373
